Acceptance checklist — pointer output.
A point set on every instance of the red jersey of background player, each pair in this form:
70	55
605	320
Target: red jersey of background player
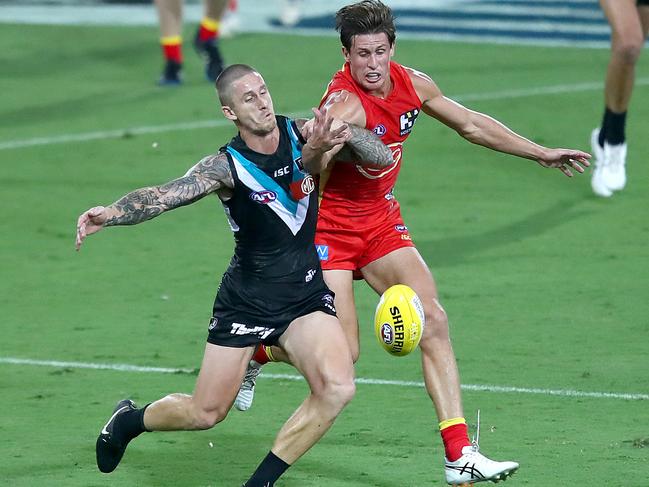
349	189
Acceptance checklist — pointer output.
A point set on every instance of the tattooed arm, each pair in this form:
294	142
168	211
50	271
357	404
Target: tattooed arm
328	138
209	175
366	148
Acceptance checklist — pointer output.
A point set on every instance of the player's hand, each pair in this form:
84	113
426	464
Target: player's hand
565	160
323	136
90	221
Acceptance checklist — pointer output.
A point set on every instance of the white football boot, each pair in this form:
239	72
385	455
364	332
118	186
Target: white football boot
246	392
473	466
609	172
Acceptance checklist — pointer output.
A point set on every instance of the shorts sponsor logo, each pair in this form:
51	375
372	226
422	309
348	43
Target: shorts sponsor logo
407	121
263	197
243	329
386	334
405	236
323	251
309	275
401	228
213	323
328	302
379	130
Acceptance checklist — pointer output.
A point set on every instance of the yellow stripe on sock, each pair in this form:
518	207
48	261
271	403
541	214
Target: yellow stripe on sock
447	423
171	40
269	353
210	24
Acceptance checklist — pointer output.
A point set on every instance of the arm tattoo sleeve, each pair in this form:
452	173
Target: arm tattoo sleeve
210	174
368	147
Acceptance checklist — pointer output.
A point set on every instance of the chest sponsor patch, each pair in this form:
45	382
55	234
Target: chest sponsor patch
303	187
407	121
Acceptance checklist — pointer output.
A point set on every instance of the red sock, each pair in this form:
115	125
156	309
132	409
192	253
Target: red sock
172	47
208	30
261	356
455	438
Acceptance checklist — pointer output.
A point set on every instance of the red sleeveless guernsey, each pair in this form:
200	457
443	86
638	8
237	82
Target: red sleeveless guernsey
352	190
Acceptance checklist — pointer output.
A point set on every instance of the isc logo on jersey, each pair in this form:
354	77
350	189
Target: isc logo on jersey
399	320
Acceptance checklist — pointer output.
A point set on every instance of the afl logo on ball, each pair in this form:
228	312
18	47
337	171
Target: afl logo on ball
386	333
263	197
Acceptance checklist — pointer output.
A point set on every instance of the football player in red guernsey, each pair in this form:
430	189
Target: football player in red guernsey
360	231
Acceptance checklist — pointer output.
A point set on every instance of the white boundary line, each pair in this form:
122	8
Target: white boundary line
359	380
201	124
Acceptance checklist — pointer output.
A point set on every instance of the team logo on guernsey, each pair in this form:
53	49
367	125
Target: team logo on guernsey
380	130
263	197
302	187
407	120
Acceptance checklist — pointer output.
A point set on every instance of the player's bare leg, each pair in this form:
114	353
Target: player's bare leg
342	284
405	266
317	347
463	462
629	31
216	387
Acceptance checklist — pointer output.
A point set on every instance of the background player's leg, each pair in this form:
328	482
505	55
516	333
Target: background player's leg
317	347
627	40
207	36
170	18
609	142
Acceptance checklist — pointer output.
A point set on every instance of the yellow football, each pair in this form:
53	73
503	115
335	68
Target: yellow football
399	320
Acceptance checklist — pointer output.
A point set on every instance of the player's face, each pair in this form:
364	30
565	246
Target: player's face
252	105
369	60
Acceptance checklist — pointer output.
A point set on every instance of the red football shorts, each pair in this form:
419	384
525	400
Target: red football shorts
352	243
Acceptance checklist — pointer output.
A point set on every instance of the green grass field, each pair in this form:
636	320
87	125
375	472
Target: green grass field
544	283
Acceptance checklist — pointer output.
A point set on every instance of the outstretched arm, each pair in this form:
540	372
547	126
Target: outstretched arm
361	146
209	175
481	129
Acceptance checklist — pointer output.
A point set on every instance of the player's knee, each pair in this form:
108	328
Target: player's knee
628	49
341	393
337	392
436	319
205	419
